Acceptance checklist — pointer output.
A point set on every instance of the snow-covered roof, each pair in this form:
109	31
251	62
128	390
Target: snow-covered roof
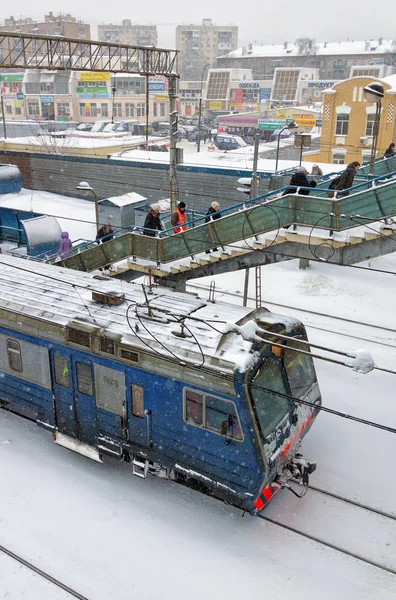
63	296
321	49
126	199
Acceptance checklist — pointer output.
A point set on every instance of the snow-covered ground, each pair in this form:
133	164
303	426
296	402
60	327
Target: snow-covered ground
110	535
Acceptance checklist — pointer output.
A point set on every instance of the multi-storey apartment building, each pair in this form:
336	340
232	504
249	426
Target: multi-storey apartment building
61	24
333	59
200	45
126	33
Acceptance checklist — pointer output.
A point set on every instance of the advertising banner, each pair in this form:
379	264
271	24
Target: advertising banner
89	76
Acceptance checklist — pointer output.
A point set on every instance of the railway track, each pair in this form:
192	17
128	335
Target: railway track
42	574
376	556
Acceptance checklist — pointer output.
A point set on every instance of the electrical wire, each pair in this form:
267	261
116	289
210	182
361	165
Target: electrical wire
224	376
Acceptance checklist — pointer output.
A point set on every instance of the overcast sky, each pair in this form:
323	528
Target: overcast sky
261	22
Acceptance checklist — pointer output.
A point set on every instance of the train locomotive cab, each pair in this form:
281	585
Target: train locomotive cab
281	374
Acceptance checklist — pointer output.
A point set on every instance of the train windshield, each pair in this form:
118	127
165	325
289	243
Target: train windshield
300	369
270	407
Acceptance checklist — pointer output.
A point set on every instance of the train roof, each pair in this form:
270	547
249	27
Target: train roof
223	333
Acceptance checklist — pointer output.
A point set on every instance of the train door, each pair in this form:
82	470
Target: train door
139	426
111	401
62	385
73	386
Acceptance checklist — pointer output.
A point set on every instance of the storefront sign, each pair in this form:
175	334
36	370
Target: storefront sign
94	76
248	85
271	124
92	90
46	99
321	84
11	77
304	119
20	96
265	93
156	84
215	105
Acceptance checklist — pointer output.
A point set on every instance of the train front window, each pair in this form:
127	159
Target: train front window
300	369
269	406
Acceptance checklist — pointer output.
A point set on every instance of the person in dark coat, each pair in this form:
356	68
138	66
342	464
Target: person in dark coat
345	180
65	245
153	221
212	214
389	152
299	179
105	233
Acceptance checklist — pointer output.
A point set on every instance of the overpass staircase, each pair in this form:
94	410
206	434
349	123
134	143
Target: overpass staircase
280	227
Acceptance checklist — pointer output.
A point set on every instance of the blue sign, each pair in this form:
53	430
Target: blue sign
47	99
265	93
20	96
318	122
156	84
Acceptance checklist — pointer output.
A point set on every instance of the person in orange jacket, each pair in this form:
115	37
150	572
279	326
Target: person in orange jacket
178	218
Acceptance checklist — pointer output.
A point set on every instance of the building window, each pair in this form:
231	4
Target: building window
338	159
104	109
18	111
8	109
63	109
129	110
370	124
155	109
14	356
212	413
117	109
93	110
84	378
162	109
83	111
141	110
342	124
33	108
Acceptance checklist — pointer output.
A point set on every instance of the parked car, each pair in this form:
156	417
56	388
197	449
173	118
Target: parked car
284	135
84	126
229	142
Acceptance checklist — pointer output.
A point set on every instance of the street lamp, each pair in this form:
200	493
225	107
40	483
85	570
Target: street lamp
83	186
200	109
373	93
292	125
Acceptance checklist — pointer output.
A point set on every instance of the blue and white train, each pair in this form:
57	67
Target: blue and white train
203	393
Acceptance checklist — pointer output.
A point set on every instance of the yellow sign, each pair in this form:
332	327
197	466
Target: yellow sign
94	76
215	105
305	122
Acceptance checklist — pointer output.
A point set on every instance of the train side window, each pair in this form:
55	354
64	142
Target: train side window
14	356
61	370
84	378
212	413
137	393
221	416
194	407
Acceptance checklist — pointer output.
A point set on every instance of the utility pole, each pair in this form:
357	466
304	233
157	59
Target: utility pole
200	109
172	91
3	116
255	178
147	108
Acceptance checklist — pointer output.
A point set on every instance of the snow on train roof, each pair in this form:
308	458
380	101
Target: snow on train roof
62	296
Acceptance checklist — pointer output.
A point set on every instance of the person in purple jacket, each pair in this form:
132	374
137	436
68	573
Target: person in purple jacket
65	245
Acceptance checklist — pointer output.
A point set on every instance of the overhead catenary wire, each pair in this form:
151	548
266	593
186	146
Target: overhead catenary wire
230	378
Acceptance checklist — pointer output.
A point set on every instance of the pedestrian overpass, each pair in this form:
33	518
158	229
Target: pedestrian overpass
370	200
